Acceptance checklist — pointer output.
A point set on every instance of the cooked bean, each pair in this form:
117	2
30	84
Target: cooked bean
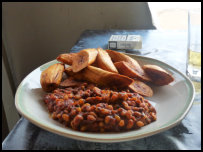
110	107
153	115
78	109
114	97
97	91
77	96
58	116
139	123
81	101
73	112
54	115
86	107
133	99
133	118
128	114
65	111
135	108
76	121
93	113
131	103
83	128
121	123
101	124
91	118
107	119
92	108
123	112
105	111
125	104
65	117
123	96
138	101
130	124
117	118
137	114
142	105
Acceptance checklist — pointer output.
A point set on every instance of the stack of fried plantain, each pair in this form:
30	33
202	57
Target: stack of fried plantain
106	68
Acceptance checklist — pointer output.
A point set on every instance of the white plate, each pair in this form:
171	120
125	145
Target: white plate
172	103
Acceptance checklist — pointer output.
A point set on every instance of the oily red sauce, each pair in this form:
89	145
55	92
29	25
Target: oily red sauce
90	109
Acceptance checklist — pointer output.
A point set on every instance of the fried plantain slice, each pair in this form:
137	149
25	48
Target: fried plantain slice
66	58
158	75
70	82
106	78
51	77
125	69
132	63
101	77
104	61
69	72
141	88
83	59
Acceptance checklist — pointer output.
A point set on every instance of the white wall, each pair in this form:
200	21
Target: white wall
35	33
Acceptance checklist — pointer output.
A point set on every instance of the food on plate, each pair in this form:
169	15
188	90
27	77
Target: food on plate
141	88
105	78
90	109
77	76
124	68
116	81
101	77
158	75
66	58
83	59
51	77
103	91
104	61
70	82
132	63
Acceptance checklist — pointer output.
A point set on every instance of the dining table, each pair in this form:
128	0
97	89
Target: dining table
169	46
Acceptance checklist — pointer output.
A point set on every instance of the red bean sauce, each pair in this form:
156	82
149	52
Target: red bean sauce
88	108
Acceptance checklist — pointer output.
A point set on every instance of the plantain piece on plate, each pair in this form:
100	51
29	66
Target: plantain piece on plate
66	58
125	69
51	77
70	82
117	57
132	63
106	78
158	75
95	64
78	75
104	61
83	59
141	88
101	77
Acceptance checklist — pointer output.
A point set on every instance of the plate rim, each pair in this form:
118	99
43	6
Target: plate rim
164	127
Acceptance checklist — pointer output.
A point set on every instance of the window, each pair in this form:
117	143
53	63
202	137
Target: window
172	15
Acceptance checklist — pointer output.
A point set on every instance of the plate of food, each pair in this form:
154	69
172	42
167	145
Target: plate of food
104	96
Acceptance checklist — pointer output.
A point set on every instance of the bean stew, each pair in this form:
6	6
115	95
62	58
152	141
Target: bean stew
88	108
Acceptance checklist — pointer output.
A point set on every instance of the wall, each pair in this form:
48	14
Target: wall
35	33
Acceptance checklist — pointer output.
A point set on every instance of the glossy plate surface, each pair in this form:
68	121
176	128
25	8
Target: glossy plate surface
172	103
